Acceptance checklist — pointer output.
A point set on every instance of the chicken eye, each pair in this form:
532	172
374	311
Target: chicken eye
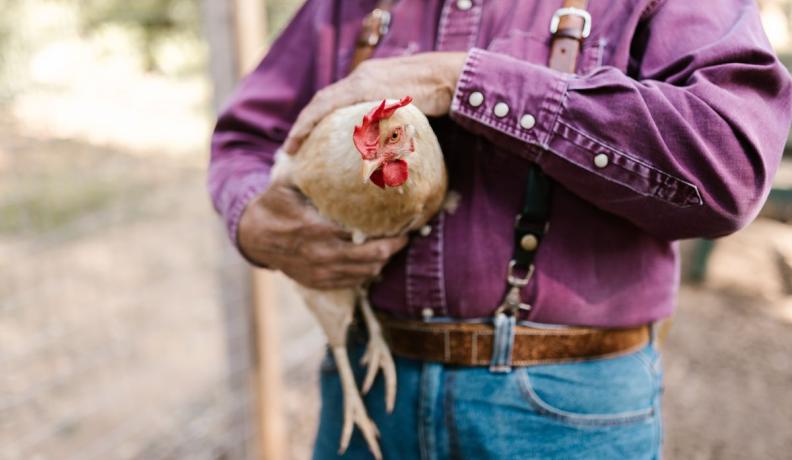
395	136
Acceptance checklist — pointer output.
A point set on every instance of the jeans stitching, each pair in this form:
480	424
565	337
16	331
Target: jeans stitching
648	364
453	435
548	410
423	441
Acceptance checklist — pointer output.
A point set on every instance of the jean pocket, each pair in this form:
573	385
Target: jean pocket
608	391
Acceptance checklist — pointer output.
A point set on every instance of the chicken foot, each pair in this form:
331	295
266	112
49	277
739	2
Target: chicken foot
378	355
354	410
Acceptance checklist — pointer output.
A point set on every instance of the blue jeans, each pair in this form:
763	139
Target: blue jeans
597	409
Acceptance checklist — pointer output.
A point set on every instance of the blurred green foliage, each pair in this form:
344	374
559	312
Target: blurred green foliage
279	12
154	19
6	21
10	48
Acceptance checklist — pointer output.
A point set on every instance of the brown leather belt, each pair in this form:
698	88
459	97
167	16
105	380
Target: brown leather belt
470	344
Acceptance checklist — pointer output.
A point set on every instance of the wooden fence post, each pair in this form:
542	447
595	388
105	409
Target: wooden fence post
236	31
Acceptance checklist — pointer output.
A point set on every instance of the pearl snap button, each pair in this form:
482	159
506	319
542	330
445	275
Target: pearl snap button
527	121
501	109
427	313
529	242
464	5
476	99
601	160
426	230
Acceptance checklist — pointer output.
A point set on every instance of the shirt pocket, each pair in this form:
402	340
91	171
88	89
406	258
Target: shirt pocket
535	48
598	392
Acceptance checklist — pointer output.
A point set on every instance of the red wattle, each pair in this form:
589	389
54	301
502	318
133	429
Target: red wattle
394	173
378	178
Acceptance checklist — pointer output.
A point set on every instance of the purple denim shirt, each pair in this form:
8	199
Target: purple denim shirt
672	128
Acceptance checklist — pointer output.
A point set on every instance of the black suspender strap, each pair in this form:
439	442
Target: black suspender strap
570	25
532	222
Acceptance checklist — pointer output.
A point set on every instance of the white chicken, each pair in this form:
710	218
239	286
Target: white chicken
383	177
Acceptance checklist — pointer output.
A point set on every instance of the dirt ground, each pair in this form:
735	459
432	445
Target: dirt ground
112	344
728	375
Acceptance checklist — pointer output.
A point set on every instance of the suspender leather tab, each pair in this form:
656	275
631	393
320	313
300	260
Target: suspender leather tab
570	25
375	27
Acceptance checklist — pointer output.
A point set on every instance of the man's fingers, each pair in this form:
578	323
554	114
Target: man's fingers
344	265
336	283
320	229
297	135
360	271
375	250
325	101
305	123
316	109
292	145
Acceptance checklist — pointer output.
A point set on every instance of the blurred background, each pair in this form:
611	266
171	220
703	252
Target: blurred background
126	322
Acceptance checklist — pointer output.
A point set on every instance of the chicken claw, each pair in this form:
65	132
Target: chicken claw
354	410
378	355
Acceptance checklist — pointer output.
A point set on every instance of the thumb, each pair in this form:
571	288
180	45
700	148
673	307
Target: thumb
299	132
292	144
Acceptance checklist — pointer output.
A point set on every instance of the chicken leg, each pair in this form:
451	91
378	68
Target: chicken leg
378	355
334	309
354	410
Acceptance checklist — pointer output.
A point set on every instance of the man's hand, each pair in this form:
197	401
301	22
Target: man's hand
430	78
281	230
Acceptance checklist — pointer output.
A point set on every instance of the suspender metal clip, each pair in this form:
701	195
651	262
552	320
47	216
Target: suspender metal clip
512	303
505	319
376	26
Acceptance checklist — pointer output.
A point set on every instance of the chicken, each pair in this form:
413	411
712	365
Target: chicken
383	177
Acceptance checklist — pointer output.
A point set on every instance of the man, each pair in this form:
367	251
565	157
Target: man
671	128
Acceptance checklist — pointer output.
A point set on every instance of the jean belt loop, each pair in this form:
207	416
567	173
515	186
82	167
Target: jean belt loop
653	330
505	318
502	343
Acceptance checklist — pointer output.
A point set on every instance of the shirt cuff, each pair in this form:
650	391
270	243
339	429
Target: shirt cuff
520	107
505	99
236	196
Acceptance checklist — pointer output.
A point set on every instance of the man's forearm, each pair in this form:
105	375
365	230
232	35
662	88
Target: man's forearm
681	151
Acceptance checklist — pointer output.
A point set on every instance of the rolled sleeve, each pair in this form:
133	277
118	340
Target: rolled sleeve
260	114
534	97
232	199
684	146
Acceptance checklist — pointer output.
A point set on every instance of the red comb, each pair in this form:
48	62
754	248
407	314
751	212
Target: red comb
366	136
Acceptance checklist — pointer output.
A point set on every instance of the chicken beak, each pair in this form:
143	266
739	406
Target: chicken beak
367	169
